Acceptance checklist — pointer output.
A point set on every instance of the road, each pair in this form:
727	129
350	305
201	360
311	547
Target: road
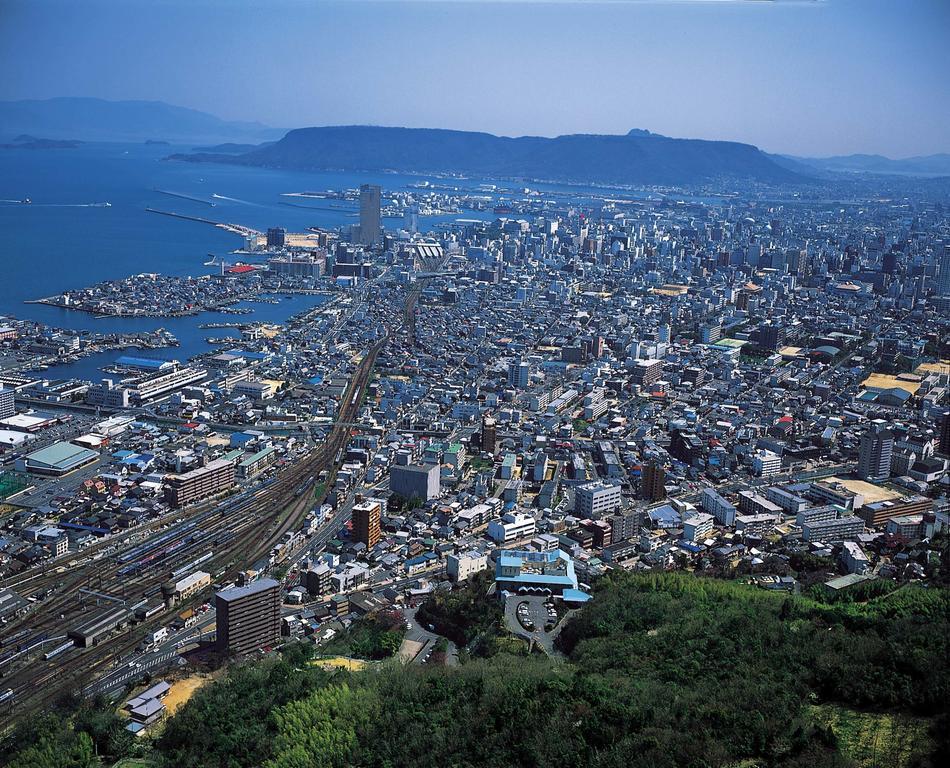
418	642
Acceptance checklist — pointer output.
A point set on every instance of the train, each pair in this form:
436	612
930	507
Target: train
34	642
190	566
14	638
58	650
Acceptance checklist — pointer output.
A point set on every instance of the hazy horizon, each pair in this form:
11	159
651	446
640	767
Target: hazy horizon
809	77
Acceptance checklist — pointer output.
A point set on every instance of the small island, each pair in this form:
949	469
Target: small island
25	141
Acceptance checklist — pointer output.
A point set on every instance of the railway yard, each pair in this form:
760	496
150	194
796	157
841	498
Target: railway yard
471	402
224	536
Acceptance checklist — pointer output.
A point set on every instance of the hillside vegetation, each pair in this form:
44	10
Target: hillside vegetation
662	671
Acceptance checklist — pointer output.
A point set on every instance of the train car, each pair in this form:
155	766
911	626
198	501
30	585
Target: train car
6	696
33	642
58	650
13	639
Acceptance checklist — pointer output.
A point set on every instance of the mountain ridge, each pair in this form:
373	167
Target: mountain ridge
937	164
92	119
638	157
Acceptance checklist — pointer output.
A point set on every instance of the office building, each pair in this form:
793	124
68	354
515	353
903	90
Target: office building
511	526
214	477
276	238
460	567
722	510
652	482
596	499
248	618
874	453
943	277
697	527
518	374
7	405
366	523
832	531
370	218
108	394
765	463
624	526
489	437
646	372
711	333
421	481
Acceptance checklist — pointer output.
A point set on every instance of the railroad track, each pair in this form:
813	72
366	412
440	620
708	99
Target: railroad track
255	523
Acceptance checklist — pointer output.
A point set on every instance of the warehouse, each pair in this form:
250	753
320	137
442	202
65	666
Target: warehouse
57	459
98	627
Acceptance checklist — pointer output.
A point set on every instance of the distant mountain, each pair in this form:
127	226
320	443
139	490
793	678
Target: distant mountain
230	148
926	165
636	158
25	141
100	120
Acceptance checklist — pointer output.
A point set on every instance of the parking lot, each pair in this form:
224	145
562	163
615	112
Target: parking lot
534	620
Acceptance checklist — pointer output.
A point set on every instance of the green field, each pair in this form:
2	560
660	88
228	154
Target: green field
11	483
871	739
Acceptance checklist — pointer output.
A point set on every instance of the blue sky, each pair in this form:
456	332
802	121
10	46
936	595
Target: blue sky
807	77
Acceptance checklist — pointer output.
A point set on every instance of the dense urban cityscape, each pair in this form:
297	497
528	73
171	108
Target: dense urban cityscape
471	468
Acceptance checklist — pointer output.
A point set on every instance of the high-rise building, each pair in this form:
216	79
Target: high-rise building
889	263
596	499
624	526
518	374
7	405
276	237
366	522
943	278
646	372
420	481
489	438
945	434
370	218
874	453
652	482
710	333
248	618
199	483
767	463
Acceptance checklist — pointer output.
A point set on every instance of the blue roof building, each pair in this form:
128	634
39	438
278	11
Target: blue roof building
524	571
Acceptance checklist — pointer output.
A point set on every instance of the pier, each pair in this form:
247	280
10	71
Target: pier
237	229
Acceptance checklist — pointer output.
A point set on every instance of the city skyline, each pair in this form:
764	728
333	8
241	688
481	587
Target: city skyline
860	77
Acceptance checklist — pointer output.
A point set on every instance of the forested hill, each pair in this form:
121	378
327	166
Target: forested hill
636	158
665	671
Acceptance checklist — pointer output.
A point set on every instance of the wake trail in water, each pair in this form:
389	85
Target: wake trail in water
58	205
232	199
